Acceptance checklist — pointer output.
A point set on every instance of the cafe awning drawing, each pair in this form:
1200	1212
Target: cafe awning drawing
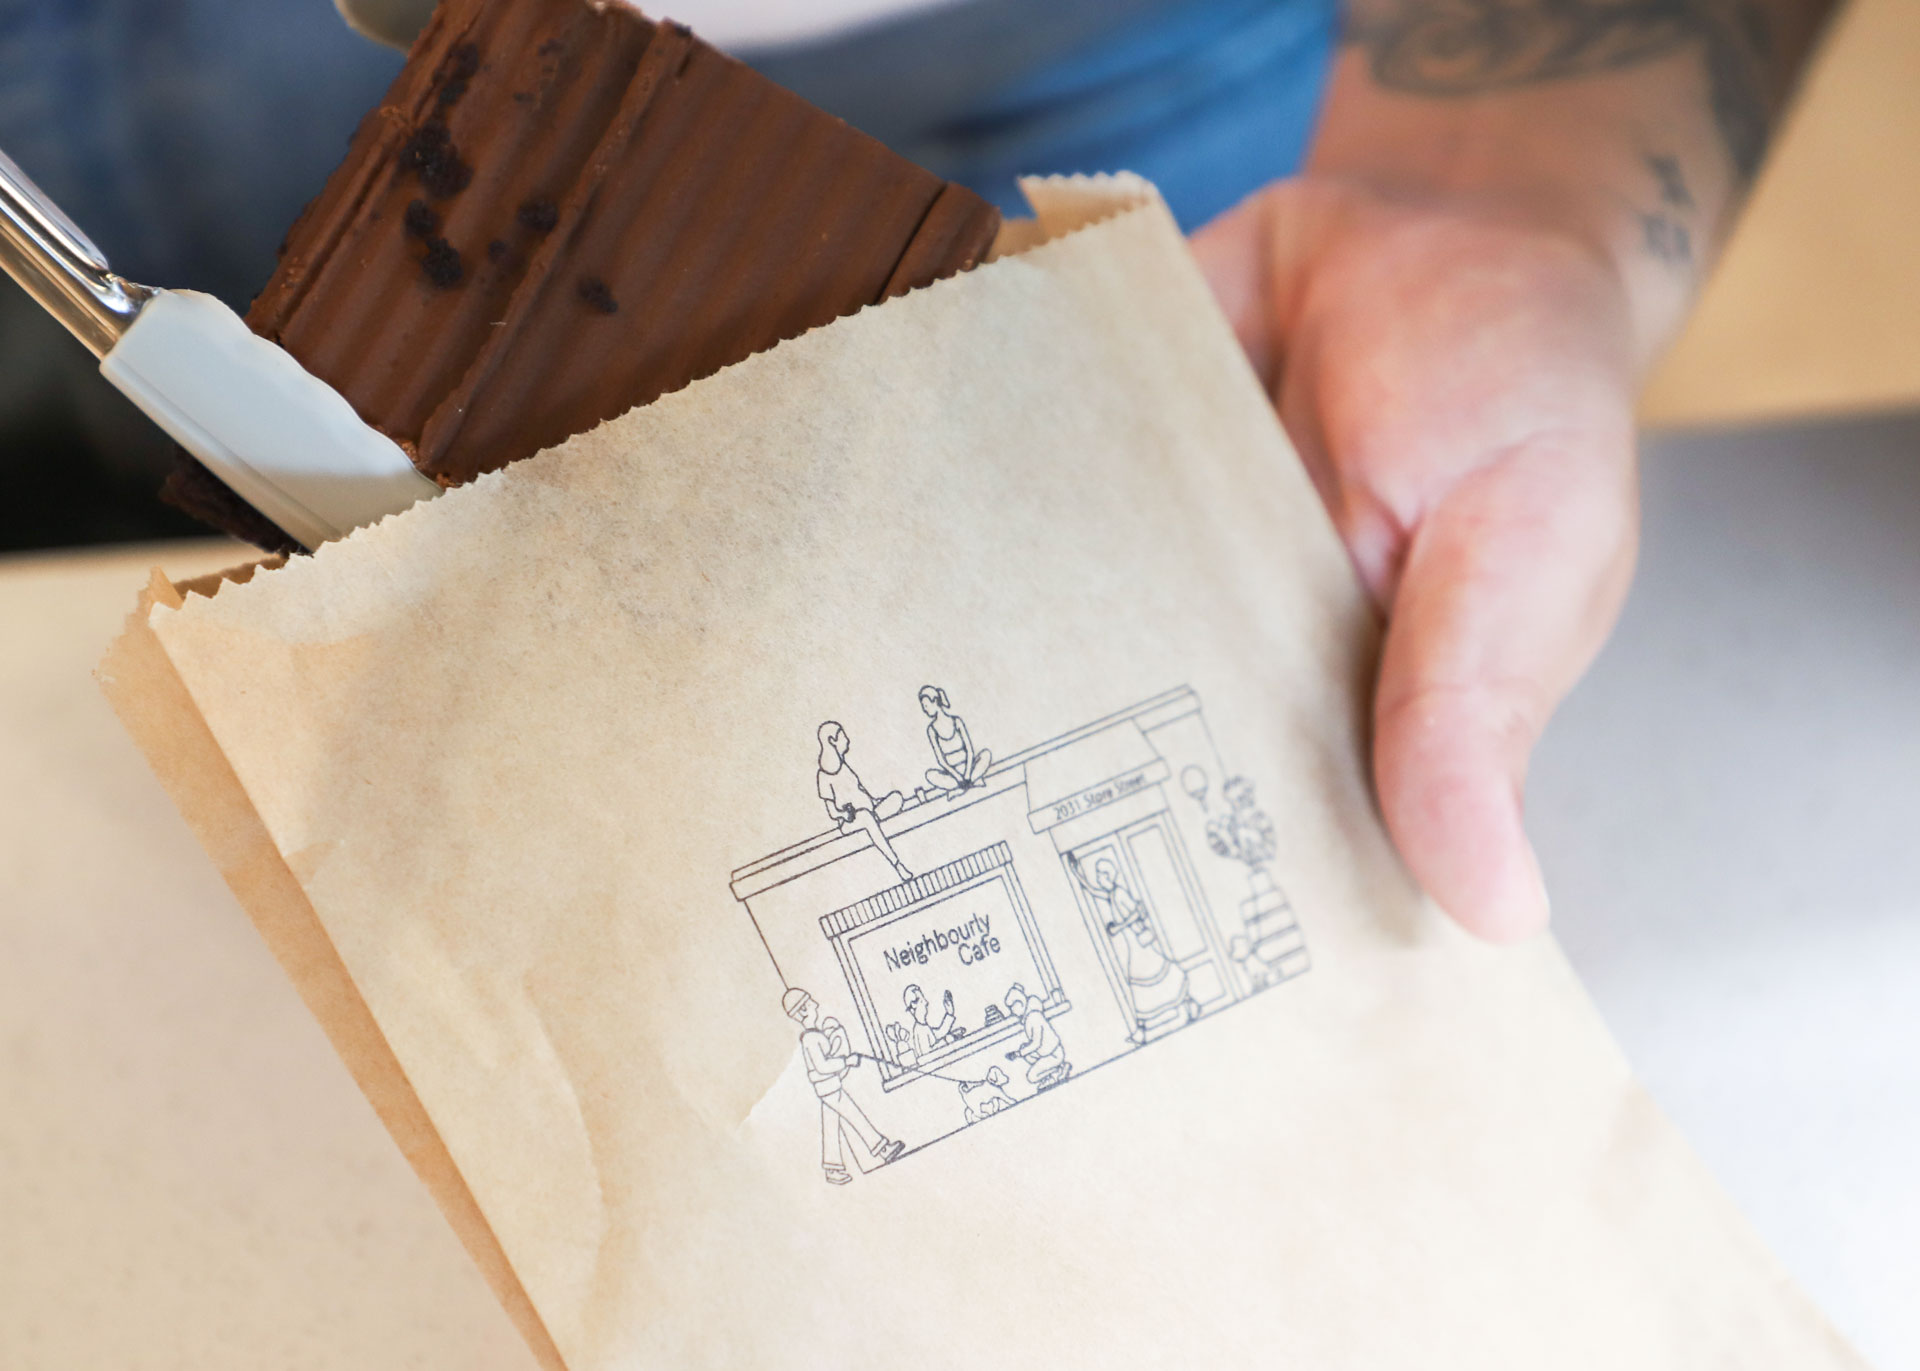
997	930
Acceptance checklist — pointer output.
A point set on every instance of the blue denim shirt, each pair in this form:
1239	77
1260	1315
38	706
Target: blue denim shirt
1209	99
184	135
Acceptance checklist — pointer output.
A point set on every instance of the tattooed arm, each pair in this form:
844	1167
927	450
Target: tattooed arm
1508	208
1637	124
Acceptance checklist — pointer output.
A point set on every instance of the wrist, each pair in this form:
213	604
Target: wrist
1617	169
1650	262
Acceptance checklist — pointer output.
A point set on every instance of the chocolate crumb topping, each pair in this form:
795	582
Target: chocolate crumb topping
595	295
447	179
539	215
463	62
421	220
431	155
498	252
431	141
442	264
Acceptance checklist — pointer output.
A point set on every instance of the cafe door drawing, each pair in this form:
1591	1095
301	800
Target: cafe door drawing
1162	954
962	946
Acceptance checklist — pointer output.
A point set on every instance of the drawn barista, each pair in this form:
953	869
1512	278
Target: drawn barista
961	767
828	1058
849	803
930	1035
1040	1047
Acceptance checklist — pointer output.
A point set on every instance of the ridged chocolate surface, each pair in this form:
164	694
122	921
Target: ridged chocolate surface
562	210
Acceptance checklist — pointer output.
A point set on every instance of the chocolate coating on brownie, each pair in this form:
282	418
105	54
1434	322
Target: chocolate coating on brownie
594	159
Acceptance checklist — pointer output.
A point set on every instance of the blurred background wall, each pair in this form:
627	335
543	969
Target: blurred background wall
1815	309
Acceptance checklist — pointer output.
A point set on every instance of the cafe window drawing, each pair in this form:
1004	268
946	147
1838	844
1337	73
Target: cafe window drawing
1004	924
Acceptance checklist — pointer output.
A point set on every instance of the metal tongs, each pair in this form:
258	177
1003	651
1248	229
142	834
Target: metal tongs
60	267
285	441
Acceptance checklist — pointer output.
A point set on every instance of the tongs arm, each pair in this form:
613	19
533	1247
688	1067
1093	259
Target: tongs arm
60	267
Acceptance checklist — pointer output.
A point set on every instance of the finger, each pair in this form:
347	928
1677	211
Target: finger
1511	584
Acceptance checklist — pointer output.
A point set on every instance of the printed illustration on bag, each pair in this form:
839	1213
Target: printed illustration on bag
1007	924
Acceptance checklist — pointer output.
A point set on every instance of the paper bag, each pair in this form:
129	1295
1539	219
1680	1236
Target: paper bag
867	862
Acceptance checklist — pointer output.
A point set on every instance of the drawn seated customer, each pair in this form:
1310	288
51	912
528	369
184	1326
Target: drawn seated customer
960	766
849	804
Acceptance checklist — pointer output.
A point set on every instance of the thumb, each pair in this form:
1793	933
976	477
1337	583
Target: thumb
1510	585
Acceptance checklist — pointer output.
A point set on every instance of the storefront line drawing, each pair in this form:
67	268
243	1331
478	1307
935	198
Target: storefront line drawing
1007	923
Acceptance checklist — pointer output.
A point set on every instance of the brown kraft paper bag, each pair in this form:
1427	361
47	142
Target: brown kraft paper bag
867	862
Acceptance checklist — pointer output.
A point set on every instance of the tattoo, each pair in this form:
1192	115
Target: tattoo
1666	233
1673	186
1469	47
1667	239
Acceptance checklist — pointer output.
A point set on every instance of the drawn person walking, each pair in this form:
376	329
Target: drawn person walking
1155	982
1040	1046
849	804
828	1058
960	767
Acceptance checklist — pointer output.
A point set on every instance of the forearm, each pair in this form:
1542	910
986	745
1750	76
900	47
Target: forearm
1633	126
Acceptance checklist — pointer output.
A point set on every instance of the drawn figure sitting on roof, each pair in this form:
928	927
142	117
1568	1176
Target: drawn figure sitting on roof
849	804
960	766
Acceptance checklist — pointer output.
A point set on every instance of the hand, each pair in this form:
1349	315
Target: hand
1459	383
